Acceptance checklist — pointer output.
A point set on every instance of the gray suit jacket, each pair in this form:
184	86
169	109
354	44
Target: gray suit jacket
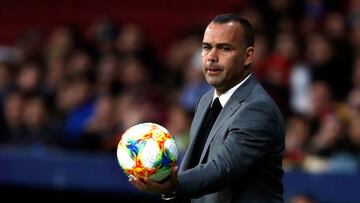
242	157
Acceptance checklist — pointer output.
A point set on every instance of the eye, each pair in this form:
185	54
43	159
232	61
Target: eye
225	48
206	47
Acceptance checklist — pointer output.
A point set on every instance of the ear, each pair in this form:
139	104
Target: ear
248	56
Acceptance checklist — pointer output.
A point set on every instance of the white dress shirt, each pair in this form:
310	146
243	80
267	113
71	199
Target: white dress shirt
224	98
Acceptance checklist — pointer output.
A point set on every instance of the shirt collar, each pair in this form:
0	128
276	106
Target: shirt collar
224	98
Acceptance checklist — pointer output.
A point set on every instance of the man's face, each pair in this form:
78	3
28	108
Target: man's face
224	55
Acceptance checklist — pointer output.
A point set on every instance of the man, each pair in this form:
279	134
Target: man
240	159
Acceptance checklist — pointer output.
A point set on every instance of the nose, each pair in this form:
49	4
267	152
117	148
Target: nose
213	57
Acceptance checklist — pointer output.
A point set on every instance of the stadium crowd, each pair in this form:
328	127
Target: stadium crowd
80	89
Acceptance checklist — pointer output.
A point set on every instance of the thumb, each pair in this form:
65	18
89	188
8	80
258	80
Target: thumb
174	170
174	173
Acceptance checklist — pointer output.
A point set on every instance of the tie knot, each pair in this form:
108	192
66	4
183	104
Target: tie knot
216	104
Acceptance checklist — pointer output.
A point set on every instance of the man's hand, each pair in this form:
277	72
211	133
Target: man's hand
148	185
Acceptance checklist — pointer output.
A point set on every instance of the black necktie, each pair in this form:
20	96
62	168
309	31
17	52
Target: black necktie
205	129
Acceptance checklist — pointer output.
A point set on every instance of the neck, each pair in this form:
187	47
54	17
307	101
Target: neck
220	91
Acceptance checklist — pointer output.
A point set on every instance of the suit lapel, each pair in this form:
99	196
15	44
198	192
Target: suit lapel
199	116
228	110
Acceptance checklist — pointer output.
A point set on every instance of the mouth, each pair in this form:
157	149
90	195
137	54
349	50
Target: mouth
213	70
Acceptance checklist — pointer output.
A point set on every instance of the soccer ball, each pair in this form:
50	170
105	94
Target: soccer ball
147	150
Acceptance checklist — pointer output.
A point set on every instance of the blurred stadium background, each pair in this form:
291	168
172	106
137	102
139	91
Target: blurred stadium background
75	74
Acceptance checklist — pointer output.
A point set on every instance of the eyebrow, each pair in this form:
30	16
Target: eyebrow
218	44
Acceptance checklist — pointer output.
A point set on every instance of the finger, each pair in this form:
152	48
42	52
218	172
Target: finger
133	182
131	177
174	170
155	186
141	184
151	183
138	183
174	173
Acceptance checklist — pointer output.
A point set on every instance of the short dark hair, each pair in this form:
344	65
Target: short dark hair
249	32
